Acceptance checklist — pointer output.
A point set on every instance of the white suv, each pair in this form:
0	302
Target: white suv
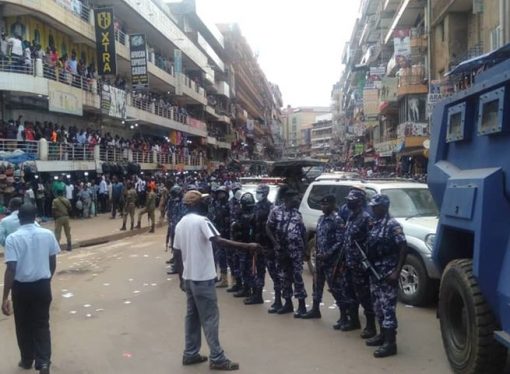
411	204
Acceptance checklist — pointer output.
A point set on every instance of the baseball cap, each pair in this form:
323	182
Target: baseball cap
356	194
379	199
192	198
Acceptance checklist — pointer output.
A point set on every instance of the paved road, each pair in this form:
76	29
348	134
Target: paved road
116	311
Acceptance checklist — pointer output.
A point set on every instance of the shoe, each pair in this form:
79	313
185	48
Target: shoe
44	369
353	322
198	359
172	271
151	230
244	292
314	313
301	311
236	287
287	308
376	341
223	283
171	261
132	227
138	225
277	303
226	365
256	297
341	321
123	228
27	365
369	331
389	347
69	247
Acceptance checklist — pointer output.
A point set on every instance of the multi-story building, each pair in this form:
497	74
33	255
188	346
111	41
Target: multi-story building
297	129
322	137
182	101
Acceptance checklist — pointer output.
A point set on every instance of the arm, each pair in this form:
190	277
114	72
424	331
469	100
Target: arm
400	240
231	244
53	264
3	234
10	273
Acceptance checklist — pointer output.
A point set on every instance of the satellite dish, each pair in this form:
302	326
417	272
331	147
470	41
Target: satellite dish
426	144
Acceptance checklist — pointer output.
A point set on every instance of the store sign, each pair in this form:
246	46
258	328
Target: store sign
138	56
64	99
113	101
412	129
386	149
105	42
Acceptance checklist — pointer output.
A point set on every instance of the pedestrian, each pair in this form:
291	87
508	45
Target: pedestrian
103	194
140	186
85	196
129	206
70	194
163	199
117	194
194	236
30	256
219	214
287	232
61	210
386	251
262	209
356	277
328	243
10	223
150	207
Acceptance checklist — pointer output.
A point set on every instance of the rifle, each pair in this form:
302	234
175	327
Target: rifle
337	263
367	265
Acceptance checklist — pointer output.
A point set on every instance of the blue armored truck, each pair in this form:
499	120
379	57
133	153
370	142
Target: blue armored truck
469	177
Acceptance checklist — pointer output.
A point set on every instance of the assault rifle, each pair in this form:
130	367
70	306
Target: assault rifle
367	265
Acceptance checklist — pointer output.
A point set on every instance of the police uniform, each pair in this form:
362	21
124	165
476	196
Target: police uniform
61	209
150	207
289	229
233	260
220	217
130	198
267	259
385	239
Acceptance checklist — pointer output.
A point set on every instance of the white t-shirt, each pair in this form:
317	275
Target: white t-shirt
16	46
69	191
31	247
193	236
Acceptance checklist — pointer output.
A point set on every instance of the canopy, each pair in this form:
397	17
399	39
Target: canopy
491	59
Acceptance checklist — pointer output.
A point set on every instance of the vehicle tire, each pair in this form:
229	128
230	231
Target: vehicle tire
415	286
311	255
467	323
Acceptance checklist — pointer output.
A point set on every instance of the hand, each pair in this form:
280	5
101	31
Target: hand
254	247
7	307
393	278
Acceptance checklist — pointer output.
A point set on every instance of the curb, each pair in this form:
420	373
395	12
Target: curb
108	238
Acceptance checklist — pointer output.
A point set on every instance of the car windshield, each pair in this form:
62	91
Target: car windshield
411	202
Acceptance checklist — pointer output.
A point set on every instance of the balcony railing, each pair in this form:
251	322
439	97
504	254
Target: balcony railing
161	110
13	148
78	8
70	152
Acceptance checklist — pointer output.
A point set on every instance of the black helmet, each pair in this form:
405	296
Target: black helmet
247	200
176	191
263	189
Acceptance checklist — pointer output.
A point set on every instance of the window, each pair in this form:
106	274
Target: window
411	202
340	192
294	120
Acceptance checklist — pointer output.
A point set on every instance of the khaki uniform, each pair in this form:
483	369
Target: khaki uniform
61	209
162	203
150	207
130	197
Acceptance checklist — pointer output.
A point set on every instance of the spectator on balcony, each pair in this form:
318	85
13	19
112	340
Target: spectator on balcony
16	47
4	47
27	55
29	132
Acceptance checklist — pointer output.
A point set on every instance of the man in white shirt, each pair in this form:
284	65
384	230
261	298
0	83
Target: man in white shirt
30	256
69	191
194	237
10	223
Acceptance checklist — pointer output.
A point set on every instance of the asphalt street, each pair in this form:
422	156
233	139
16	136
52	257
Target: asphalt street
115	310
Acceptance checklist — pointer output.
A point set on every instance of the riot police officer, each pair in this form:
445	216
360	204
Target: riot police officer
219	214
174	211
386	251
243	231
356	231
233	256
328	242
287	232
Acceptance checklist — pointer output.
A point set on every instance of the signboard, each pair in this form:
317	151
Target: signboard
412	129
402	45
113	101
371	102
138	56
105	42
389	90
64	99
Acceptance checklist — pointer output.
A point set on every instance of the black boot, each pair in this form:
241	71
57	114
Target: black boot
287	308
277	305
301	309
256	297
238	285
315	312
132	226
369	330
376	341
152	229
342	320
389	347
69	247
138	225
243	292
123	228
353	322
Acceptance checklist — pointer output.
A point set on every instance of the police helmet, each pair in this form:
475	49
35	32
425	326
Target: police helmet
263	189
222	189
380	200
176	190
238	195
247	200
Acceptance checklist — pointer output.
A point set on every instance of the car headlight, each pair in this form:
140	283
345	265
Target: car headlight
429	241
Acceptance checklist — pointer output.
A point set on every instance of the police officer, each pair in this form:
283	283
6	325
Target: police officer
386	250
328	242
344	211
175	211
287	232
356	232
150	207
243	231
219	214
266	259
233	259
130	198
61	209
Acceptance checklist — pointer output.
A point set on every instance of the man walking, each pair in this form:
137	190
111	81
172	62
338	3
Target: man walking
61	208
10	223
194	237
129	206
30	256
117	193
150	207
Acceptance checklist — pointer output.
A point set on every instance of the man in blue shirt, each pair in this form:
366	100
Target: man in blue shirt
10	223
30	256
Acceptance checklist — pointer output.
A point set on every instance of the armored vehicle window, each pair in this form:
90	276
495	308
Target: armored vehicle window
490	112
456	123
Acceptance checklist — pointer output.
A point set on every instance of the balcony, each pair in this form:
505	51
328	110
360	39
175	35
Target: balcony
223	88
412	81
441	7
192	90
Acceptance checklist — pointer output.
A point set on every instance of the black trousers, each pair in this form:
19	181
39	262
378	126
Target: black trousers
31	302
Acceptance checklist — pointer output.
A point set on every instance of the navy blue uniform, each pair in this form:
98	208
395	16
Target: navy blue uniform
262	210
243	230
220	217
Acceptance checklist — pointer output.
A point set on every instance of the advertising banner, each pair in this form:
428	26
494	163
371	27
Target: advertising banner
105	42
402	45
64	99
138	56
113	101
389	89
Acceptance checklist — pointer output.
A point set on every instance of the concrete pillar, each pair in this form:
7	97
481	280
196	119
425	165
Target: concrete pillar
93	86
38	67
130	155
173	159
43	150
97	152
155	157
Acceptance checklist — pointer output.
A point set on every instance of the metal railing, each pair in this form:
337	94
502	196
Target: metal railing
146	157
61	75
161	110
70	152
121	37
12	148
77	7
16	64
113	154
